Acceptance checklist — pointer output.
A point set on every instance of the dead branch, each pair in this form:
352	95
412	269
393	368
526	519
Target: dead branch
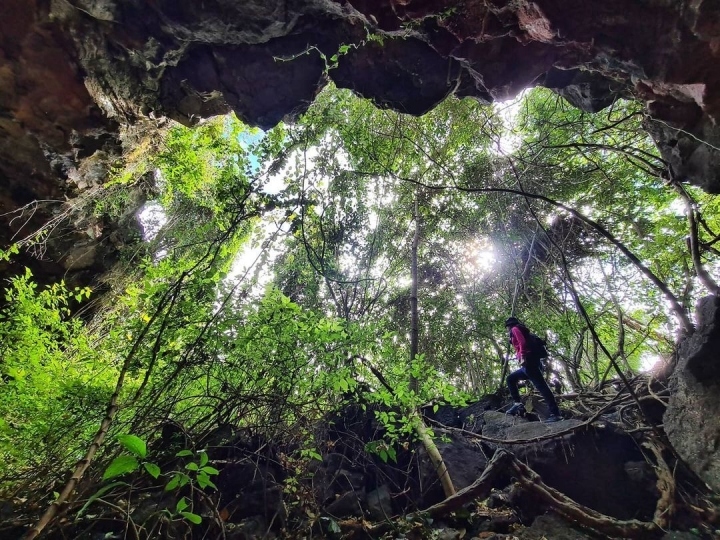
479	489
531	481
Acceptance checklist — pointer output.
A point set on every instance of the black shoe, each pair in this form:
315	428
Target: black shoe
516	410
553	418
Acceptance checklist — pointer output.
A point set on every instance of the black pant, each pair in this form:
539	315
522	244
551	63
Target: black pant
535	376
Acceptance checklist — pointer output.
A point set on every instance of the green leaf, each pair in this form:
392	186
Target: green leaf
184	453
181	505
192	466
95	496
152	469
174	482
203	480
203	459
193	518
120	465
334	527
134	445
211	470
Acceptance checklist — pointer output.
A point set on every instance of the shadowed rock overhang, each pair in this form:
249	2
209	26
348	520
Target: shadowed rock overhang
73	71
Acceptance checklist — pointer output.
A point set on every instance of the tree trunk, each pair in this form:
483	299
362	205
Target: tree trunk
414	333
418	423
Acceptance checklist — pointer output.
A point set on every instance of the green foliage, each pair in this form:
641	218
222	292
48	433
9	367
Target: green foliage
128	463
198	472
121	465
133	444
601	159
385	451
5	255
51	376
181	510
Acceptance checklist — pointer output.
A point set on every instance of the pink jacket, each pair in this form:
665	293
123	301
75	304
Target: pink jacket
522	348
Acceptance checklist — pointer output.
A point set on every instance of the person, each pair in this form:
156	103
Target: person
529	370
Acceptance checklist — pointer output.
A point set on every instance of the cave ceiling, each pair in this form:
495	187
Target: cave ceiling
75	74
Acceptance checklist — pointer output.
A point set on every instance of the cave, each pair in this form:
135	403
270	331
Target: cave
79	79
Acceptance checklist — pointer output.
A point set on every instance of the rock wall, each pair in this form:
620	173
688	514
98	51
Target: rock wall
74	72
691	420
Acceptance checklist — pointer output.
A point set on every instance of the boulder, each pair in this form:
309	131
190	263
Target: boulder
379	503
464	460
691	418
570	462
349	504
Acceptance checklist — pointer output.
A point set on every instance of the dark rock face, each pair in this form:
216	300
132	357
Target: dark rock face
572	463
73	73
407	75
691	419
598	465
55	141
587	90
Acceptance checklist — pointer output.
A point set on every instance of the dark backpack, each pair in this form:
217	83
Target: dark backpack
536	344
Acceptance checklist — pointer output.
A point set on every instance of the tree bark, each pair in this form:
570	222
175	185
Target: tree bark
419	425
414	332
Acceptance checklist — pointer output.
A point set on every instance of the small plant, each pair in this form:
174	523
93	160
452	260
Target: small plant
384	450
196	472
181	511
310	453
199	472
128	462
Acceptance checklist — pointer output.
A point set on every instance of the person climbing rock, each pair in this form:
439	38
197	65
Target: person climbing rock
529	357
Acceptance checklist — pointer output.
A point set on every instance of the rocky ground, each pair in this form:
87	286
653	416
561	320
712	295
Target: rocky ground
603	472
